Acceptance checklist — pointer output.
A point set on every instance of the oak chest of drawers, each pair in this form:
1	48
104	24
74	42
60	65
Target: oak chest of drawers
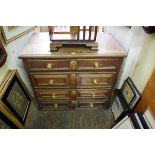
72	77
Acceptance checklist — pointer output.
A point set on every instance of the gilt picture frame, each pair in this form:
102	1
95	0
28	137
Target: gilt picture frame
3	54
15	98
10	33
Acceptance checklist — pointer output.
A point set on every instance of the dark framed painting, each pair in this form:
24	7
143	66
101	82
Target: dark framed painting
16	98
128	92
3	54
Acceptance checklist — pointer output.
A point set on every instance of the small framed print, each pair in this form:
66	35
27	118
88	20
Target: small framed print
136	92
117	108
15	97
128	92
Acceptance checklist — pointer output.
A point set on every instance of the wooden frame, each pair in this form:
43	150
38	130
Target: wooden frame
3	54
11	33
12	99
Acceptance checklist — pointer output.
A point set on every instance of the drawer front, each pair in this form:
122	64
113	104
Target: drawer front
93	93
91	103
98	64
48	65
96	79
53	94
54	105
53	80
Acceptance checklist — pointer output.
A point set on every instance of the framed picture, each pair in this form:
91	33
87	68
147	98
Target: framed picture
3	54
136	92
15	97
117	108
128	92
11	33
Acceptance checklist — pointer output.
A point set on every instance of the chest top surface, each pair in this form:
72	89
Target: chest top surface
38	46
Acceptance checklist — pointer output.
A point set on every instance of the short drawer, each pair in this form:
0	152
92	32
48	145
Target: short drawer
50	80
54	105
93	93
52	94
91	103
48	65
96	79
98	64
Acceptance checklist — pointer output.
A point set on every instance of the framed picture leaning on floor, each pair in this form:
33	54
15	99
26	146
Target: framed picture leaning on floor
15	97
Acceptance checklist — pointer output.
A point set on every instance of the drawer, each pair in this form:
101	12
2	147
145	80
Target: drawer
54	105
96	79
50	80
53	94
93	93
98	64
91	103
48	65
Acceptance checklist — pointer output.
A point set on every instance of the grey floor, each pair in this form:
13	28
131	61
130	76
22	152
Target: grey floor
76	119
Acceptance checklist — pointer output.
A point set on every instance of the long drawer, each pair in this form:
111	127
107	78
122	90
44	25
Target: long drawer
67	94
79	80
101	64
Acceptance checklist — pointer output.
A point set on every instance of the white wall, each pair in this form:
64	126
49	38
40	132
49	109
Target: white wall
140	47
13	49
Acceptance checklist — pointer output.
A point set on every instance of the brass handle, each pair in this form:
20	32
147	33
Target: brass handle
93	94
95	81
51	82
55	106
53	96
91	105
96	65
49	66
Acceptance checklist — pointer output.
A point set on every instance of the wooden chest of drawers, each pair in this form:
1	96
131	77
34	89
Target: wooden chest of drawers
72	78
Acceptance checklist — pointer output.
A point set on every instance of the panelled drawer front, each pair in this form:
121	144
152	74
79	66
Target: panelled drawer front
53	80
60	94
93	93
96	79
55	104
48	65
98	64
91	103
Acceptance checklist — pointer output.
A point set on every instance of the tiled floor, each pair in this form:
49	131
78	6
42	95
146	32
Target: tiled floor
76	119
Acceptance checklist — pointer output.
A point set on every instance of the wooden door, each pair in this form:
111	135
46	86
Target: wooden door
148	96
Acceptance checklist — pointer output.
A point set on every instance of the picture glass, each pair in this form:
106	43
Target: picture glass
18	100
127	93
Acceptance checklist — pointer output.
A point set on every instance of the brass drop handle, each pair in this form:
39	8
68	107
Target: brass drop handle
91	105
49	66
55	106
93	94
96	65
51	82
95	81
53	95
